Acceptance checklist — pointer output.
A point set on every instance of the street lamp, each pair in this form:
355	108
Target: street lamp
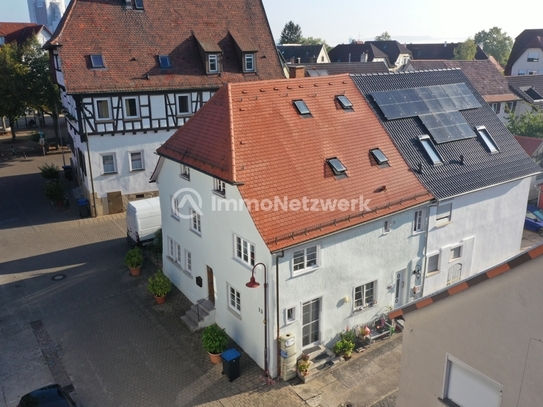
254	284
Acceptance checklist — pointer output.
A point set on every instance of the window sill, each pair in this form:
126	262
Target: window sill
184	177
106	120
176	218
186	114
432	273
138	170
220	195
109	173
303	271
131	119
234	313
441	223
358	310
199	234
242	263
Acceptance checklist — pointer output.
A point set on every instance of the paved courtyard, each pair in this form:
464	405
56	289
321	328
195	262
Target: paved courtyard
70	313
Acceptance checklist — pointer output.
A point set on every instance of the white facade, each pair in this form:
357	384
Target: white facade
485	228
530	62
361	263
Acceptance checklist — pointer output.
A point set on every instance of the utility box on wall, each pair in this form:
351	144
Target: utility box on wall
287	345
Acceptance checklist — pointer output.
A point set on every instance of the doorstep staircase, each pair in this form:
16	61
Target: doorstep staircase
321	359
200	315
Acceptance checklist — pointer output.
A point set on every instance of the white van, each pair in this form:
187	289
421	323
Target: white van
143	220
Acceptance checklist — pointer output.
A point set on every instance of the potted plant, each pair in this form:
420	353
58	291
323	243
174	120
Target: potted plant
214	341
134	260
159	285
303	365
344	347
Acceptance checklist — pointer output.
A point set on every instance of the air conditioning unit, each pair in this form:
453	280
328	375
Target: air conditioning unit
416	289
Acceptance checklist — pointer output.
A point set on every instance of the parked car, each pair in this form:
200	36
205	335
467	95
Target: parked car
48	396
534	219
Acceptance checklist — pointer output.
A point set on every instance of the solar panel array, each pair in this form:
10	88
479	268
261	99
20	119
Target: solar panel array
437	106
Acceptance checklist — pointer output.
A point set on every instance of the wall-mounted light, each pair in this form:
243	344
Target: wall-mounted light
416	272
346	299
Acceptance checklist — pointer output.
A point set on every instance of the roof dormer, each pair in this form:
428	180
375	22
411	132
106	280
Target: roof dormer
211	54
246	52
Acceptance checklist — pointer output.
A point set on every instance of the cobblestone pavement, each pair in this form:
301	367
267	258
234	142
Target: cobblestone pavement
70	313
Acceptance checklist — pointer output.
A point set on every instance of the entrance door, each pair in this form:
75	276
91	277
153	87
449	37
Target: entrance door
310	322
210	286
399	295
115	202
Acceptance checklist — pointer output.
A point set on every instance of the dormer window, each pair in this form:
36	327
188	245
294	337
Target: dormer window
249	63
344	102
380	157
430	149
213	63
337	166
487	139
302	108
97	61
138	4
164	62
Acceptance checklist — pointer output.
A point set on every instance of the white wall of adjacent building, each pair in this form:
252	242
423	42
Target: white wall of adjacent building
530	62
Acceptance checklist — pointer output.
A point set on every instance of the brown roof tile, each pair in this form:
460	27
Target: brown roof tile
529	144
251	134
130	41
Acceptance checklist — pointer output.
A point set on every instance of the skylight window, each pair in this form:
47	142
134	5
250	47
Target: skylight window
138	4
534	94
430	149
302	107
344	102
337	166
164	61
97	61
488	140
379	156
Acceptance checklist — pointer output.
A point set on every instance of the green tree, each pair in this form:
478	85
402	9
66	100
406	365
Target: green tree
291	34
466	50
496	43
383	37
315	41
528	124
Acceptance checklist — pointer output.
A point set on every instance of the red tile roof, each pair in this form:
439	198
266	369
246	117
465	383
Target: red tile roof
130	40
251	134
19	32
529	144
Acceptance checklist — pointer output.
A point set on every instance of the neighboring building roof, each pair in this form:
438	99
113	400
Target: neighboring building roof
466	163
509	266
306	53
336	68
488	81
439	51
529	144
392	49
21	32
356	52
130	41
252	135
528	87
526	39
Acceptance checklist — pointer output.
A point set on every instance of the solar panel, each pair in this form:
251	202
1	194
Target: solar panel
447	126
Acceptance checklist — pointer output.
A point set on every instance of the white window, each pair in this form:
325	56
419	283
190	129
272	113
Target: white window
102	109
174	207
290	315
219	186
234	300
188	261
195	222
171	248
130	108
178	253
496	107
249	63
108	164
418	224
444	213
183	105
533	56
522	72
364	295
487	139
136	161
466	387
245	251
305	259
511	106
212	63
185	172
433	263
456	253
386	226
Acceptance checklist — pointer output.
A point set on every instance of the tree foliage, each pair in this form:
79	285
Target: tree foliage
466	50
315	41
496	43
383	37
529	124
291	34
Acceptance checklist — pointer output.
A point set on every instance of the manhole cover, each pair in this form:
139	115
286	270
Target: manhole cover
58	277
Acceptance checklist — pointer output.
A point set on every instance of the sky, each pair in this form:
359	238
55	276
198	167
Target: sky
412	21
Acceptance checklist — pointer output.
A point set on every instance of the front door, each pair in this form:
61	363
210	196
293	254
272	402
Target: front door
115	202
210	286
310	322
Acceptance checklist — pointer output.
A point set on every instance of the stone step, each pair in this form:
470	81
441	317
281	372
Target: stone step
193	326
197	318
207	305
199	310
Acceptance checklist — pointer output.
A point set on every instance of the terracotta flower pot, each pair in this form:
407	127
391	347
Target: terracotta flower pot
215	358
160	300
135	271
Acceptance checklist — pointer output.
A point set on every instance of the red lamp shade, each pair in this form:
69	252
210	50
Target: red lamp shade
252	283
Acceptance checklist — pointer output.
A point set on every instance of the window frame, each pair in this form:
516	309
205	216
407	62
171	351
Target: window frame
246	57
306	268
418	227
219	187
430	149
496	107
212	58
488	140
104	172
290	315
453	249
138	6
125	100
130	162
178	104
235	305
97	61
440	217
431	256
244	248
185	172
360	296
164	61
171	248
188	261
175	207
532	57
387	226
98	110
195	223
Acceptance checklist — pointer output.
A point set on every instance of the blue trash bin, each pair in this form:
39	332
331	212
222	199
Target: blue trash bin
231	363
84	210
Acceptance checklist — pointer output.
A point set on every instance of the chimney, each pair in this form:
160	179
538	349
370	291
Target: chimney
298	60
296	72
